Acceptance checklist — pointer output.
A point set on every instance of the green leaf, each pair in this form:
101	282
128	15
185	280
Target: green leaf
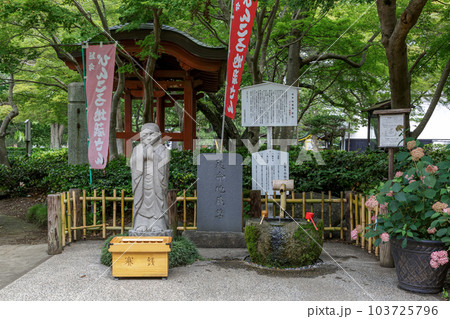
430	181
404	242
412	187
429	213
413	227
419	206
394	206
396	187
377	242
430	193
441	232
401	197
401	156
409	233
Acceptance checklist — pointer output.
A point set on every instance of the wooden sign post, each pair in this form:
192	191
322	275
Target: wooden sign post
391	135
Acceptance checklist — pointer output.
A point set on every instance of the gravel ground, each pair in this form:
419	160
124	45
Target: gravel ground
348	273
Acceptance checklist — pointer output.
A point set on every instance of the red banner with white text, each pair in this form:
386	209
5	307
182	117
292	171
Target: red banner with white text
100	62
241	29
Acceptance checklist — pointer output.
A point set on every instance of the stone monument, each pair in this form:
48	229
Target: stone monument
77	125
219	187
150	180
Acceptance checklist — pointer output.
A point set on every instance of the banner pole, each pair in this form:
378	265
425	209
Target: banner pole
224	97
86	106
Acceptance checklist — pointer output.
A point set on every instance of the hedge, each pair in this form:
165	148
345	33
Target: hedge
48	172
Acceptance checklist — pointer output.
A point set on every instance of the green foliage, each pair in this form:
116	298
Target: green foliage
48	172
37	214
183	252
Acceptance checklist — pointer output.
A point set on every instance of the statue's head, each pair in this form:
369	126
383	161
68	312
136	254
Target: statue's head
150	133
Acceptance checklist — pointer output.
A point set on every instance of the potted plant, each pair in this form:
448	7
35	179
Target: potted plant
415	218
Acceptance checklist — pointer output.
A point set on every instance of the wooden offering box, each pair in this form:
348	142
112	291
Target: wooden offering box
140	256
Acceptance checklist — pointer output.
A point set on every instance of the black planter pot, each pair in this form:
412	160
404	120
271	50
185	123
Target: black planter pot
412	264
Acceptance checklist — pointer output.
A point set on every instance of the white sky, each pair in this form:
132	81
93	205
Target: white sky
438	127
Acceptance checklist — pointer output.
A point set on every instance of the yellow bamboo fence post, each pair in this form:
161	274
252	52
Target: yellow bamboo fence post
103	213
195	208
342	215
363	221
184	210
357	222
84	214
293	204
95	211
304	204
369	241
311	206
69	218
329	212
323	209
75	217
122	211
377	249
63	219
114	210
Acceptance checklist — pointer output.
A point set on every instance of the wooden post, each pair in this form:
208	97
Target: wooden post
114	210
342	215
103	213
172	210
329	213
255	203
184	210
54	224
386	259
348	215
77	215
63	219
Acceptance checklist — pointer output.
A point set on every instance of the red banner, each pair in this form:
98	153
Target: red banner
100	62
241	29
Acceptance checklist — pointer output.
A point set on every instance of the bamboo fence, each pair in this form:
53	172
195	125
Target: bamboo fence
101	215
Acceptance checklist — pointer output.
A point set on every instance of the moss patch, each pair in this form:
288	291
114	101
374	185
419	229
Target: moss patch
183	252
285	244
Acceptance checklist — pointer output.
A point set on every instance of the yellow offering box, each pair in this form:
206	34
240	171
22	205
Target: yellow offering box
140	256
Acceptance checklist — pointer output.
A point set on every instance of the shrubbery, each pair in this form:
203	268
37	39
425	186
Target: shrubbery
37	214
48	172
183	252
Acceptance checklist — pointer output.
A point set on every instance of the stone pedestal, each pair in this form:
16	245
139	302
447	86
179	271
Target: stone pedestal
77	124
164	233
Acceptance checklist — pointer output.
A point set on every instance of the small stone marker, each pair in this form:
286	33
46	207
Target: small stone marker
219	192
77	126
268	166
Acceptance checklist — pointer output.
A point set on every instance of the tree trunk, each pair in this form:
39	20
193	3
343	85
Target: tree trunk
56	132
120	128
3	152
4	125
113	153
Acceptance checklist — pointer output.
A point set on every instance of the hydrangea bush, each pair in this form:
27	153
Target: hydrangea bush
415	204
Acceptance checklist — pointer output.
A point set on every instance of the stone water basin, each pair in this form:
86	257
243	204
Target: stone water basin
283	243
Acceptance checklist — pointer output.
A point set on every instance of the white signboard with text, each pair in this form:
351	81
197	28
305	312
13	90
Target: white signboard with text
391	130
269	104
268	166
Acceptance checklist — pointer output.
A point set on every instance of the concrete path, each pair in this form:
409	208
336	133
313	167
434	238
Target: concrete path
348	273
17	260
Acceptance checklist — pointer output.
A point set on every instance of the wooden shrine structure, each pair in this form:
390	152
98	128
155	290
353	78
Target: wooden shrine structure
185	68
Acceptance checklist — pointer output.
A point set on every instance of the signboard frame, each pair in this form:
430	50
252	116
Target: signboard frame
401	118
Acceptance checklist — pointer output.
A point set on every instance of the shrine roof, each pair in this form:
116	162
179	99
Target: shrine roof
172	34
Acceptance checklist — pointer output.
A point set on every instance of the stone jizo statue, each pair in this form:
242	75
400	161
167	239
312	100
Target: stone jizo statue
150	179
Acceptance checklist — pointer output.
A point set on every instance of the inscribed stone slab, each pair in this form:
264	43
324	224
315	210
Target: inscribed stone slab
219	192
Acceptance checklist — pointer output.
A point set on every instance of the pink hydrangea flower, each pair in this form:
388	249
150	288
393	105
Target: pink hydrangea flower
438	258
399	174
417	154
439	207
410	145
390	194
374	218
372	202
431	169
383	208
431	230
409	177
434	264
384	237
354	234
446	210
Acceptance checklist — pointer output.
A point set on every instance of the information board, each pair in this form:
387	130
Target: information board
269	104
391	130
